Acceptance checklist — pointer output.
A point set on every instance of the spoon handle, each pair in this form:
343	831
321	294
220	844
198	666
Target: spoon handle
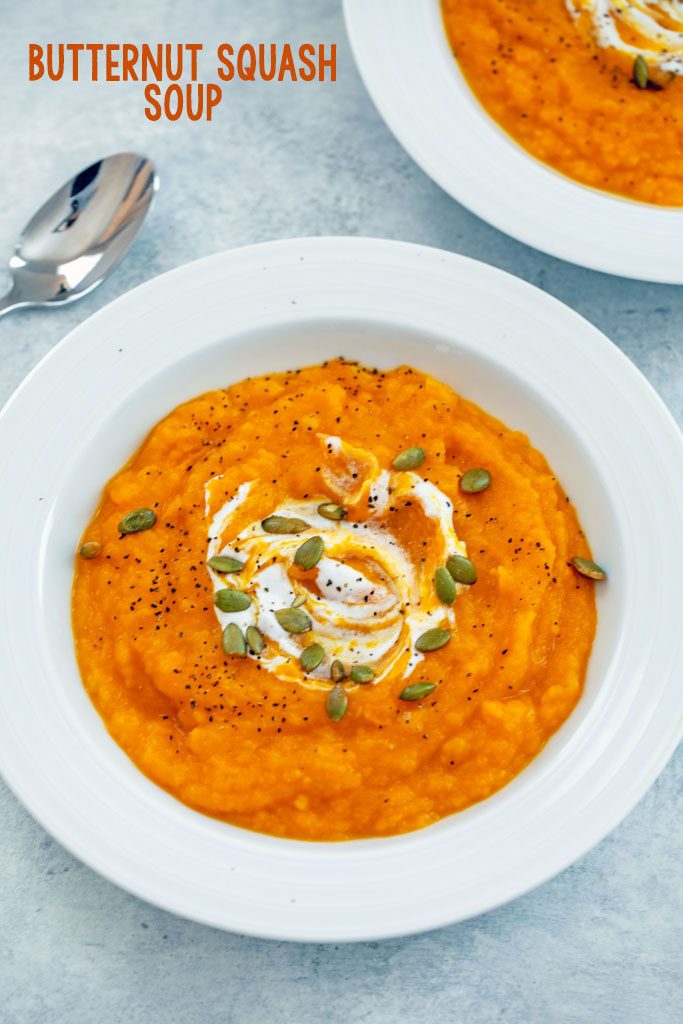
12	300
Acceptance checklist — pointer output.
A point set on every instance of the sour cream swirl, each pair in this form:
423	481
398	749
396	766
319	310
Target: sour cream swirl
367	598
650	28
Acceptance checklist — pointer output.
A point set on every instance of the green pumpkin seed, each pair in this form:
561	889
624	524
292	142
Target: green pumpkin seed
281	524
90	549
416	691
461	569
411	458
233	641
590	569
337	702
328	510
432	640
641	72
255	639
309	554
311	657
223	563
229	600
299	601
362	674
475	480
293	620
337	671
444	584
136	521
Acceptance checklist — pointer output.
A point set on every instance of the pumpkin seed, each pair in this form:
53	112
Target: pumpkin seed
90	549
136	521
416	691
233	641
411	458
590	569
337	702
337	671
311	657
444	584
223	563
432	640
475	480
293	620
309	554
299	601
229	600
461	569
362	674
328	510
282	524
641	72
255	639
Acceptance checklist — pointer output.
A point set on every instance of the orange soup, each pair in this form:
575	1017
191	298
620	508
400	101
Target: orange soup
598	96
333	603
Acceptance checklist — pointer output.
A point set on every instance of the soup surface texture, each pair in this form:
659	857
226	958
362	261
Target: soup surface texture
250	736
559	77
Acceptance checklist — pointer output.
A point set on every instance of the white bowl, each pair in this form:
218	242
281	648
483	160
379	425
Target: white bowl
410	72
511	348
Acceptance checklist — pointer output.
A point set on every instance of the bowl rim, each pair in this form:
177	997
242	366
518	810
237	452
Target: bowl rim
483	167
367	260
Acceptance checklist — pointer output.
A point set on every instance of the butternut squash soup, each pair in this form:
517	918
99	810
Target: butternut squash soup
333	603
593	88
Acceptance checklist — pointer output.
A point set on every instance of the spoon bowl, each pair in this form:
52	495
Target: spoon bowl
81	233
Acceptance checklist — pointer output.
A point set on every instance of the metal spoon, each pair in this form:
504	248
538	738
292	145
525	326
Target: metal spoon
77	238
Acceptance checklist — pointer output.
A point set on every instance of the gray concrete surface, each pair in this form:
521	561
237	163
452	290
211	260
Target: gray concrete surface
603	942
